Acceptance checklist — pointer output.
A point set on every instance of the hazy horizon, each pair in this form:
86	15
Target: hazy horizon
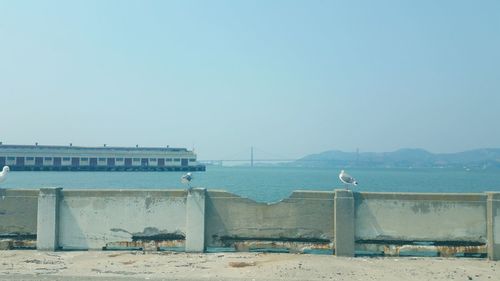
290	78
265	154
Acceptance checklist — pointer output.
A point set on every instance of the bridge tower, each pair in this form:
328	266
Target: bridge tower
251	156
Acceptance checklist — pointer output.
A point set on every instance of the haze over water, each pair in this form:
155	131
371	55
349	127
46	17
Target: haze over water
290	77
270	184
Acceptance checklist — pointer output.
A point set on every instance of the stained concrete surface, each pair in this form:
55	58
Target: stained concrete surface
138	265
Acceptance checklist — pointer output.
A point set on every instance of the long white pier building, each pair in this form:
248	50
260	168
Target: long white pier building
105	158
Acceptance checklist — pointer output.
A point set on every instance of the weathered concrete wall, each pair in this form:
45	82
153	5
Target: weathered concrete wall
493	211
344	223
18	212
195	220
420	217
47	234
304	216
90	219
307	220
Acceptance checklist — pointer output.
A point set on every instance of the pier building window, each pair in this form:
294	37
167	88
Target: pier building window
177	159
48	159
11	158
84	159
30	158
152	159
102	159
66	159
192	160
20	161
57	161
168	159
137	159
119	159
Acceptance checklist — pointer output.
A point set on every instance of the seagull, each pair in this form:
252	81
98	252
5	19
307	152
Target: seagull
186	179
3	174
347	179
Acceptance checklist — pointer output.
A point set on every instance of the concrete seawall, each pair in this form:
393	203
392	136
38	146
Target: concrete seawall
18	218
342	222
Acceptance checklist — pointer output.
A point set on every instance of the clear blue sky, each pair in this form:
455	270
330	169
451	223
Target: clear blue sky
289	77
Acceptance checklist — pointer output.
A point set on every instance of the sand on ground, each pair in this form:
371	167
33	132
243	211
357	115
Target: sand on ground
139	265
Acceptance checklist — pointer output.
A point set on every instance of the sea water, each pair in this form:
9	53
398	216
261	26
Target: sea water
270	184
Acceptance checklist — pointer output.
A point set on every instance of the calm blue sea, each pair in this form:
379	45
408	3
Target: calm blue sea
269	184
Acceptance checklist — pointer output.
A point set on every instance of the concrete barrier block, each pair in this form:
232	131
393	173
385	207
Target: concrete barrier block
6	244
344	223
195	220
48	219
493	225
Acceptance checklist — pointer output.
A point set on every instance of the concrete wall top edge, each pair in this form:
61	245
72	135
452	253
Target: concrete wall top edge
304	194
421	196
297	194
493	195
294	196
123	192
19	192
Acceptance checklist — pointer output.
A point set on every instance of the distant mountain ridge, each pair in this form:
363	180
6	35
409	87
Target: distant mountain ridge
404	158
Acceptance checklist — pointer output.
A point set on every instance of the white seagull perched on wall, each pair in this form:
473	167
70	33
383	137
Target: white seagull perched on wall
186	179
347	179
3	174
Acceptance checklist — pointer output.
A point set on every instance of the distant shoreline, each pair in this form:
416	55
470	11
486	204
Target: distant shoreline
405	158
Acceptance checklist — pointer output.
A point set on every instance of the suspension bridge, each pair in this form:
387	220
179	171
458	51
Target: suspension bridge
250	159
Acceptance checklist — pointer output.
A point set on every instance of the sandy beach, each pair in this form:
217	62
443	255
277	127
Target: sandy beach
138	265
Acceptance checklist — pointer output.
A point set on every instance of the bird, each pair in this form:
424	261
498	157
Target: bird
3	174
347	179
186	179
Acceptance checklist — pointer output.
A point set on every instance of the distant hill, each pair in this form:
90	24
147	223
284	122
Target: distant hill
404	158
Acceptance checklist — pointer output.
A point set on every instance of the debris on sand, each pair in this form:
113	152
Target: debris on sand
241	263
